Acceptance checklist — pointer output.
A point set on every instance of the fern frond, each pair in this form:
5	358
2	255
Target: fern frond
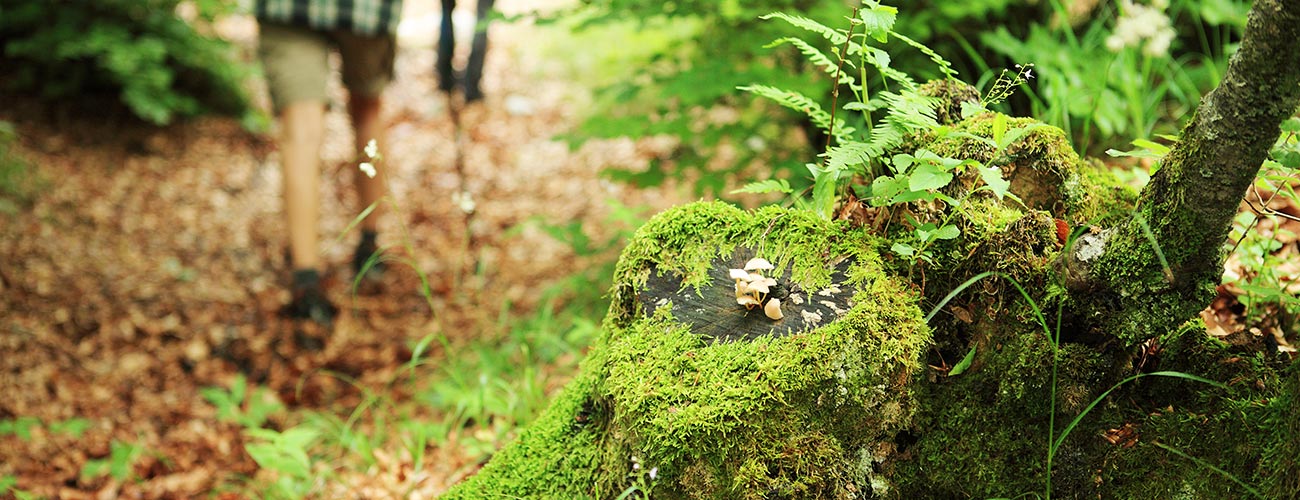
908	112
819	59
851	154
803	104
836	37
944	66
880	60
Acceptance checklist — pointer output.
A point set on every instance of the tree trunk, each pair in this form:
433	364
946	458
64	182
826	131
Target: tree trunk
1160	268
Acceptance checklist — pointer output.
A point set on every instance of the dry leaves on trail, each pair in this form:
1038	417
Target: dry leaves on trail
153	267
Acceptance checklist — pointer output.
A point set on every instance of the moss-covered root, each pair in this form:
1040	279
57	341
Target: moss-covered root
805	414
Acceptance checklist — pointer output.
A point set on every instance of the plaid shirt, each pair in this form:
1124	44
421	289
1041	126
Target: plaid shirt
363	17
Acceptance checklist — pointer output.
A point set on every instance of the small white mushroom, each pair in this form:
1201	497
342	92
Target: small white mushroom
773	309
739	274
758	264
760	286
747	301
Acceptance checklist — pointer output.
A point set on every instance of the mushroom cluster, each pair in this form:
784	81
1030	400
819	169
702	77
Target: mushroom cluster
752	287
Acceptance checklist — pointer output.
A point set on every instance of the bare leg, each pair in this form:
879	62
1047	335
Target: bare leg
367	126
302	131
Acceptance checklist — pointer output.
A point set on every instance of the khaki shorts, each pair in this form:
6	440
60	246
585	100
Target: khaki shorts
296	61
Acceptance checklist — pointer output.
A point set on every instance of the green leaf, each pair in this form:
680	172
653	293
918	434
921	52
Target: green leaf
972	108
885	188
947	232
903	249
927	176
1151	146
1291	125
999	129
879	20
766	186
824	188
74	427
992	177
962	365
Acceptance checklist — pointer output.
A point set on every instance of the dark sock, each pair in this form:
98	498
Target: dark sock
365	249
306	278
368	239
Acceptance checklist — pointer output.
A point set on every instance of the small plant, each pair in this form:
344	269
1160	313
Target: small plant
239	405
1055	440
120	463
9	486
286	455
22	427
643	482
18	183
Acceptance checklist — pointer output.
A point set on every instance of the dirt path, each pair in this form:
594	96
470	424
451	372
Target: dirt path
152	266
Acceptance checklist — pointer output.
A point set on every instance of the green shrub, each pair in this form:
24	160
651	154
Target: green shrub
18	184
159	65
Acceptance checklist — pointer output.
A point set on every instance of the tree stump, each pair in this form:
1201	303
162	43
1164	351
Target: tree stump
688	395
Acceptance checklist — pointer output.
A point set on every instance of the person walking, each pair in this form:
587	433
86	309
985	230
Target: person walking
296	39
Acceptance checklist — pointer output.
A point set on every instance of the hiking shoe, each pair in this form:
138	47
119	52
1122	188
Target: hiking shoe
309	301
366	258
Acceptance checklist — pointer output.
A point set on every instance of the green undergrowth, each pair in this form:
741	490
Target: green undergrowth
774	418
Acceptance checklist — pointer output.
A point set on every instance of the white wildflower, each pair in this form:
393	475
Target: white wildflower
654	472
368	168
1142	25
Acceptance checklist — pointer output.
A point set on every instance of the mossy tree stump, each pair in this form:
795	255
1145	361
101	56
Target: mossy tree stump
720	401
723	403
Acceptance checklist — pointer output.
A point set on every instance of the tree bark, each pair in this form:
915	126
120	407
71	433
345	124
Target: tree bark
1186	211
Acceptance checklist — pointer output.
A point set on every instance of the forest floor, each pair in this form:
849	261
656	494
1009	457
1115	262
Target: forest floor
151	266
150	269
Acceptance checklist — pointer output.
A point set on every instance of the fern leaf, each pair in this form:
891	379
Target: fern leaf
819	59
805	105
766	186
944	66
836	37
850	154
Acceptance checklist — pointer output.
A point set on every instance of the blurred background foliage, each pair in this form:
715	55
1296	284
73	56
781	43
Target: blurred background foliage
1109	72
160	58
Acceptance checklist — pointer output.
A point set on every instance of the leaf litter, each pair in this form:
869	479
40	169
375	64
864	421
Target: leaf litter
153	266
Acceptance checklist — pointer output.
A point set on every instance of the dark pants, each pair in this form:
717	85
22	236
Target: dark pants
478	48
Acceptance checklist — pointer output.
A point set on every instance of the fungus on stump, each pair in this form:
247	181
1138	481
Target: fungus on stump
721	401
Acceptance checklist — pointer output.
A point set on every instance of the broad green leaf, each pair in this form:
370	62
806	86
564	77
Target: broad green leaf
903	249
962	365
971	108
824	189
885	188
1291	125
879	20
999	129
947	232
927	176
1152	146
992	177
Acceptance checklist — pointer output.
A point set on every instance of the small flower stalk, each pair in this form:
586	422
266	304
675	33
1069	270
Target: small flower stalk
752	288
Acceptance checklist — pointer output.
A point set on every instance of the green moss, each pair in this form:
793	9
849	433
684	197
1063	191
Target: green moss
1230	429
796	416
